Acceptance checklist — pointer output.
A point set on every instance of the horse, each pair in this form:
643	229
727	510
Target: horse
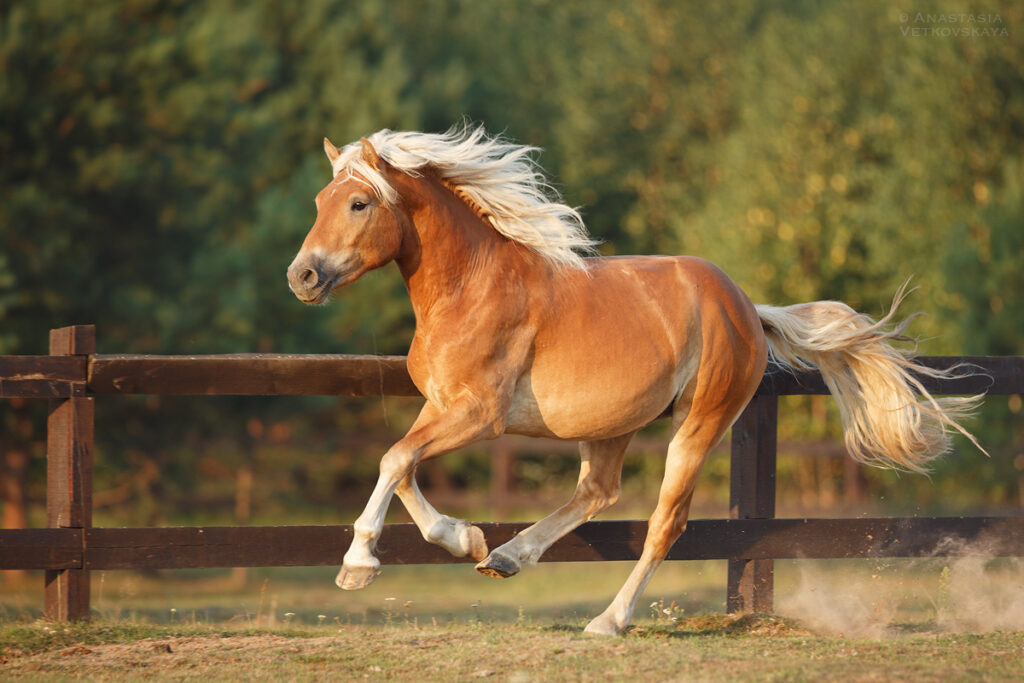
522	329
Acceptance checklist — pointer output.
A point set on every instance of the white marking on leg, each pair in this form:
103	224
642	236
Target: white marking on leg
457	536
666	524
617	616
360	566
433	434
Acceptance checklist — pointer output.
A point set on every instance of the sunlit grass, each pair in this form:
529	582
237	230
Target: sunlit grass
421	593
876	619
853	597
703	647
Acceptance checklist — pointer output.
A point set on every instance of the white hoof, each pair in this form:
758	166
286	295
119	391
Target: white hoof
353	578
603	626
472	542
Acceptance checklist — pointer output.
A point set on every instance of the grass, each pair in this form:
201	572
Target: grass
712	647
938	619
547	593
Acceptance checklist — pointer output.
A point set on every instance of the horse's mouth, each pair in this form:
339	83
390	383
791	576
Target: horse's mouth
319	294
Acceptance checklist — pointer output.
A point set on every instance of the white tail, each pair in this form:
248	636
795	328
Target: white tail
889	419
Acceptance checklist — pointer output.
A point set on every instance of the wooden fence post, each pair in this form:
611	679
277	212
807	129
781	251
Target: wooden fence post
752	496
69	444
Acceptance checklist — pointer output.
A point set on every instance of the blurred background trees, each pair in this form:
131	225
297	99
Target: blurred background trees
158	161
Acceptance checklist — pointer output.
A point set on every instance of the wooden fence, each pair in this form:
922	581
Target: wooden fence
73	375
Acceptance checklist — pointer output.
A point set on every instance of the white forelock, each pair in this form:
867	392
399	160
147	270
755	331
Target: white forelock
500	177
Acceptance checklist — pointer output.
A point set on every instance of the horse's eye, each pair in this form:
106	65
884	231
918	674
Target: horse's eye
358	206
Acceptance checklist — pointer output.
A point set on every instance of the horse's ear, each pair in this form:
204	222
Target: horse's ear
332	152
370	154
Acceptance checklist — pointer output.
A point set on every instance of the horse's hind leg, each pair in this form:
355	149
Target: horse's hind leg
598	488
697	435
457	536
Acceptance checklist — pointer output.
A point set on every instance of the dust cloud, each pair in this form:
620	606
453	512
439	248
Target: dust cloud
882	598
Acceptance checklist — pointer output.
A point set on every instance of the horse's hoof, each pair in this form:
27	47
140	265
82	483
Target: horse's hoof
474	542
602	626
499	566
354	578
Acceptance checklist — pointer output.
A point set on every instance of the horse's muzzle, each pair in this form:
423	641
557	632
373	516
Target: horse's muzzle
310	281
314	274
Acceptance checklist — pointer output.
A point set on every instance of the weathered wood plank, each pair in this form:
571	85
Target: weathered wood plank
69	442
753	453
252	374
755	539
41	549
66	595
42	376
69	445
865	537
68	499
76	340
25	368
40	388
345	375
750	586
752	496
995	375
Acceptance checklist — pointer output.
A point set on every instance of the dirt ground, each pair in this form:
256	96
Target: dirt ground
706	648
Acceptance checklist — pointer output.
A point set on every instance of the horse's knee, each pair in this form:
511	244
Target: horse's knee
364	531
397	464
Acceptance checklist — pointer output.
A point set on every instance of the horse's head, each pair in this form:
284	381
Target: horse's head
355	230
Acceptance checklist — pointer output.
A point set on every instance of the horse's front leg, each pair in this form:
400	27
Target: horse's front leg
457	536
435	433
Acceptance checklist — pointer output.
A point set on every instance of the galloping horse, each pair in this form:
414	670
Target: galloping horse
516	332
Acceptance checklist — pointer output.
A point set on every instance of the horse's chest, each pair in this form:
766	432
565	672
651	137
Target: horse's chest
431	377
437	393
445	366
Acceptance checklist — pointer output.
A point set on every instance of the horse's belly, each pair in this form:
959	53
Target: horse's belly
598	405
613	356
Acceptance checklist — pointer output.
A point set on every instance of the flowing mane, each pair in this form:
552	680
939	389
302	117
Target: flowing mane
501	178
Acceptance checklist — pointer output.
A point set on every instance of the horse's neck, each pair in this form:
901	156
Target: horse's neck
452	249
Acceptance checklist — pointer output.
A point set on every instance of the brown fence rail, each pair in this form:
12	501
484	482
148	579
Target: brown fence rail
71	547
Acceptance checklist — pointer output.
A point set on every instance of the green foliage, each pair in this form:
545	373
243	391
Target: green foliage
151	151
159	158
158	162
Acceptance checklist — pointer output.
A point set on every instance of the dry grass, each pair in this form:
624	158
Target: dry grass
545	594
851	620
699	648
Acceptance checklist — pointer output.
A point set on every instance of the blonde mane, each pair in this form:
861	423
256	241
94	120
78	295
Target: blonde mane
500	178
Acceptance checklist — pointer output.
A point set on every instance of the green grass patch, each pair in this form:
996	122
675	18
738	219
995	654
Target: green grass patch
702	647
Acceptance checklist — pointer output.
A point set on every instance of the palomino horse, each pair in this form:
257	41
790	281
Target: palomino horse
517	333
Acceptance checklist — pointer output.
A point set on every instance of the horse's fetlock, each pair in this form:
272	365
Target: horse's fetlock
440	530
530	557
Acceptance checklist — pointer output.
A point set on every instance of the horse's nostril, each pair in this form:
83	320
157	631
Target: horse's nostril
309	277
